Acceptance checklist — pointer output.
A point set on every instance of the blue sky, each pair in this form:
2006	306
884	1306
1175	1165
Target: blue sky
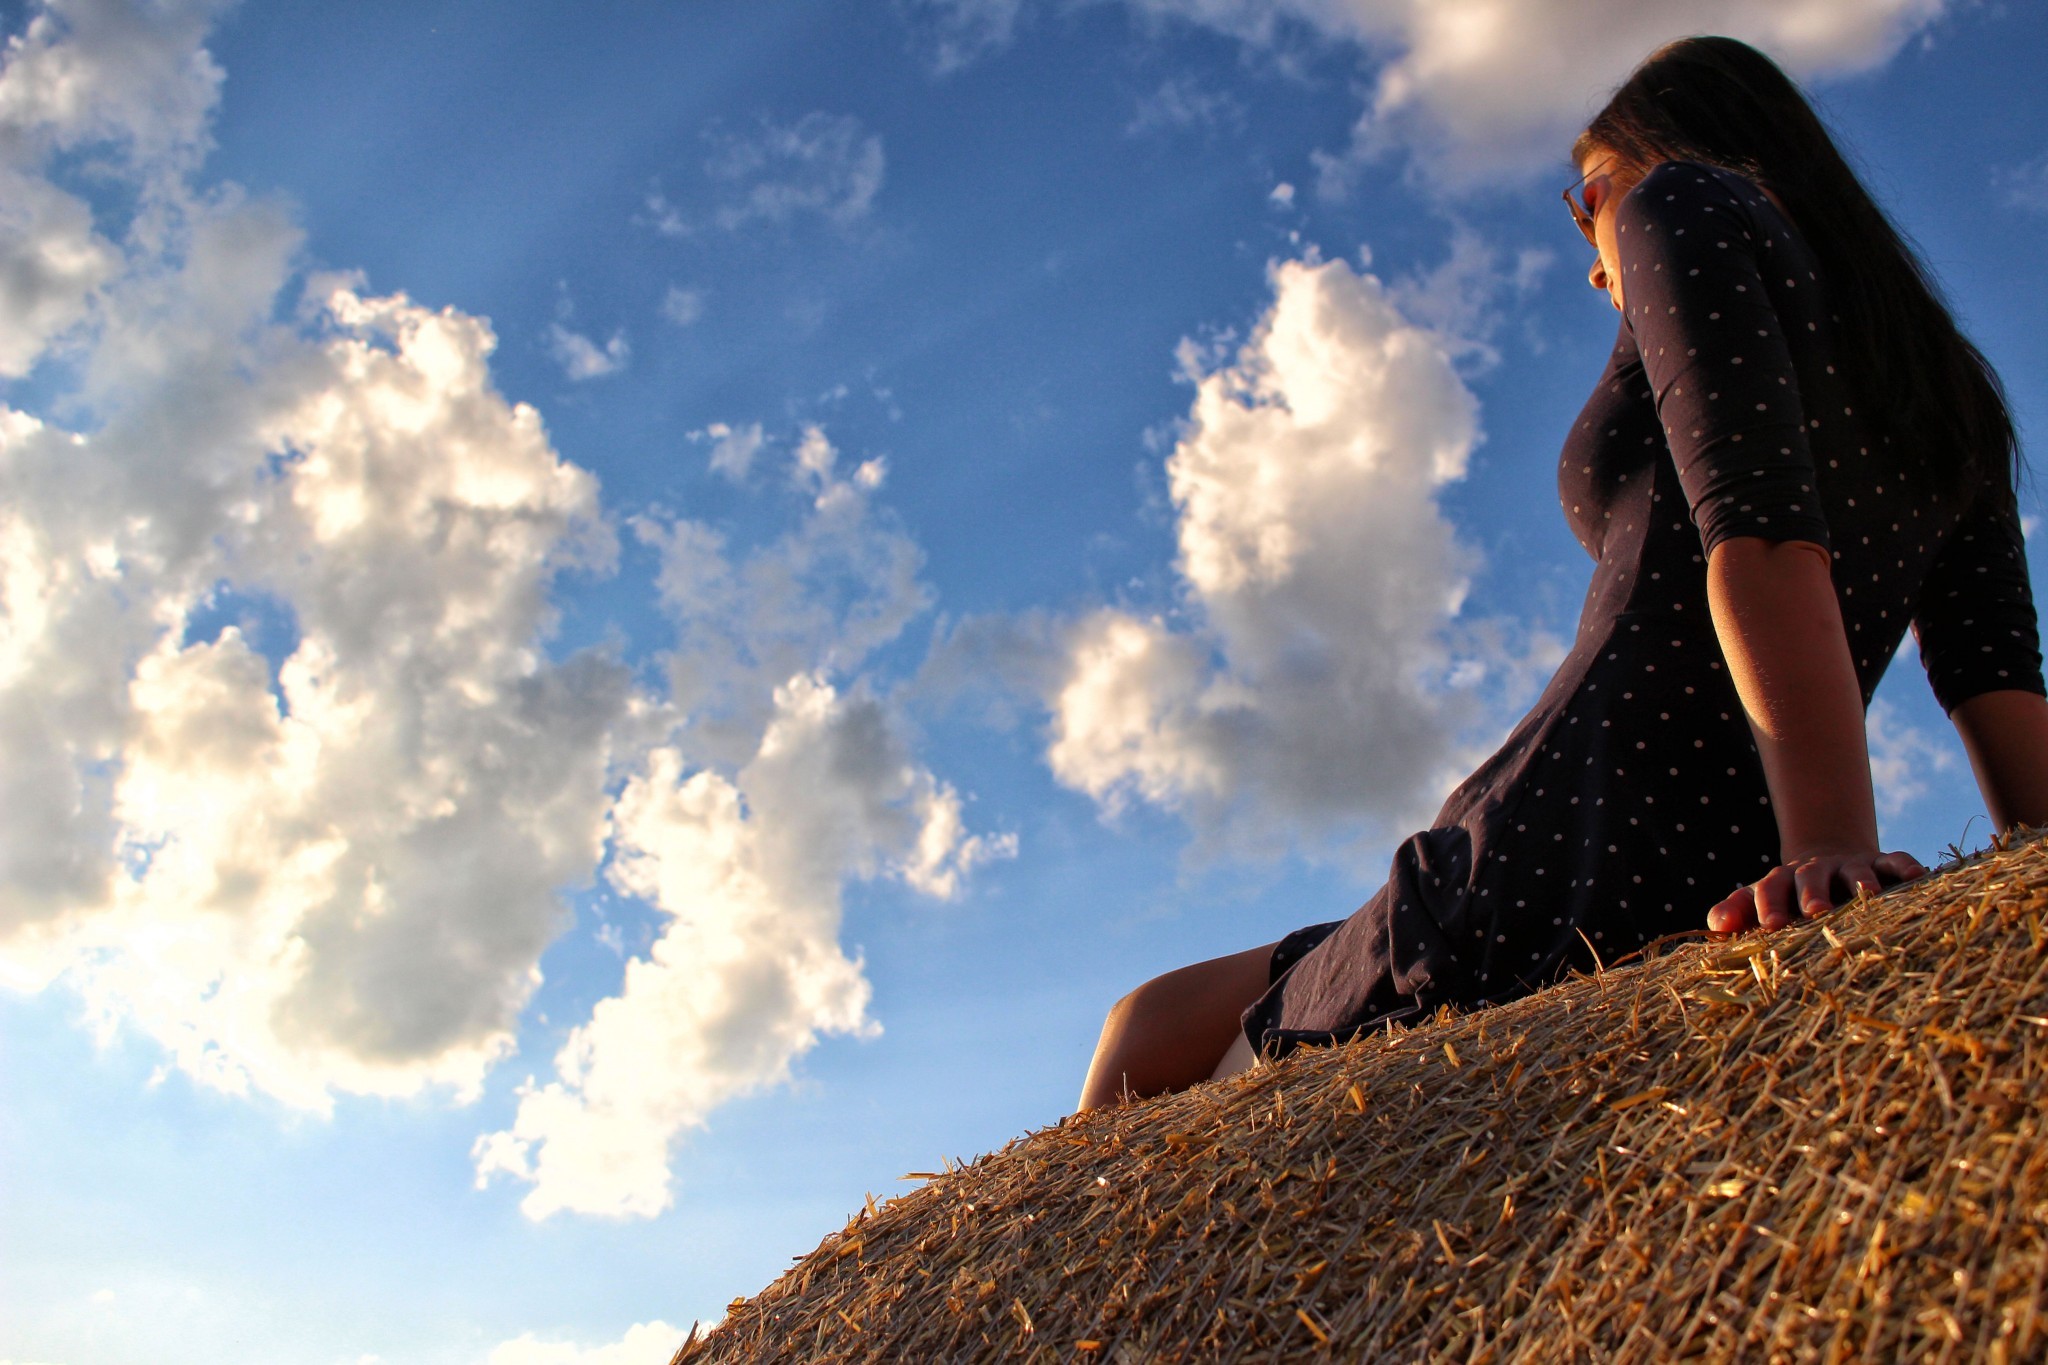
622	623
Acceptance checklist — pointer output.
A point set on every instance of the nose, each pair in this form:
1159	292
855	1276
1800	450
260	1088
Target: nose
1596	275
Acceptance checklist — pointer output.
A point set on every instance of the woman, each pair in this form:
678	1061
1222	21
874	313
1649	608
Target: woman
1793	453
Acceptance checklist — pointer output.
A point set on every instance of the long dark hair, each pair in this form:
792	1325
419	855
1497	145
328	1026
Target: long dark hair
1721	102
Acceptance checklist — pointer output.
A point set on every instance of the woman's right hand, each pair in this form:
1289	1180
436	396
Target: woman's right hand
1805	885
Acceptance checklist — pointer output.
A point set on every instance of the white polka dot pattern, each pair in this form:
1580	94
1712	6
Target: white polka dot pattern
1631	797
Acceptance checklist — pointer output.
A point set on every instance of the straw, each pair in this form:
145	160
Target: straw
1821	1144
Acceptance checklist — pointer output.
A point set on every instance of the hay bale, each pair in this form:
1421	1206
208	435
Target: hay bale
1820	1144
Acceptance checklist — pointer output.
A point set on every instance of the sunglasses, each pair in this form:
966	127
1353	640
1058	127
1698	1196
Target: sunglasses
1581	216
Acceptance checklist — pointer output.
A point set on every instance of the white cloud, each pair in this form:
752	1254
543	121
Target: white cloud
823	164
2025	186
956	33
1282	196
1323	676
733	448
1460	299
85	72
52	263
334	866
138	76
327	857
775	788
822	596
682	306
333	869
330	861
342	876
664	215
1901	757
646	1343
1480	87
1181	103
581	358
749	973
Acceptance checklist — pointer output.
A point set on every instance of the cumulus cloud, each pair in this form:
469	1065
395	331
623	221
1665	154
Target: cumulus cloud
293	779
646	1343
1464	298
2024	186
1318	679
663	214
1515	92
1180	103
732	448
86	72
139	77
682	306
822	596
581	358
955	33
1902	756
823	164
333	868
1317	684
1476	88
776	787
52	263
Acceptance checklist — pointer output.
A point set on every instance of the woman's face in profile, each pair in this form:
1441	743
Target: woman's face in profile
1602	190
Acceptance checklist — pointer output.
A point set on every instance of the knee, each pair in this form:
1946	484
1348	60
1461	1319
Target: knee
1117	1022
1151	1003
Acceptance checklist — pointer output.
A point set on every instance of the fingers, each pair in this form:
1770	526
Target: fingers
1734	913
1808	888
1815	880
1862	879
1777	897
1818	878
1898	867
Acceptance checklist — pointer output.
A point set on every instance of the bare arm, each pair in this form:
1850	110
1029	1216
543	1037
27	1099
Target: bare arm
1781	633
1738	441
2006	735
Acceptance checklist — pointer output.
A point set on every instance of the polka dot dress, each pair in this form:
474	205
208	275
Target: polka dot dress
1632	797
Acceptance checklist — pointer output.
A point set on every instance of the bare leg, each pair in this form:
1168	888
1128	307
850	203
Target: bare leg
1173	1031
1240	1057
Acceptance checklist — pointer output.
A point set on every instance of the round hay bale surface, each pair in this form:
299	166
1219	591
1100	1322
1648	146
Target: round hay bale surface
1820	1144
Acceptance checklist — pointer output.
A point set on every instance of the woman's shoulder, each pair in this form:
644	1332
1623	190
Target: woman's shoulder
1690	185
1675	196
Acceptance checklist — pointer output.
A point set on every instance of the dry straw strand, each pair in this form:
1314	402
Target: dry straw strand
1823	1144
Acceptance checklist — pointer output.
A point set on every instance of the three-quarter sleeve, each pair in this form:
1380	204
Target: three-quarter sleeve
1716	356
1974	619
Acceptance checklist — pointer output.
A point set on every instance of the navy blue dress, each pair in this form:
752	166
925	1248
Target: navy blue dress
1632	798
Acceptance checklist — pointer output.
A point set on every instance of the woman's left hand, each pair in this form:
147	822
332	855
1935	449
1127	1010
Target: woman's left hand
1805	885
